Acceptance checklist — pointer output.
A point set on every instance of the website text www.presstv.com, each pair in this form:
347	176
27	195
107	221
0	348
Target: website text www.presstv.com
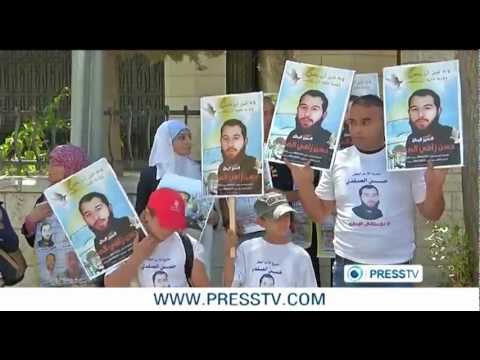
261	298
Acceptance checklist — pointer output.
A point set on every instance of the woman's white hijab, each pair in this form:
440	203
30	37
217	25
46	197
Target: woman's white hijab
164	157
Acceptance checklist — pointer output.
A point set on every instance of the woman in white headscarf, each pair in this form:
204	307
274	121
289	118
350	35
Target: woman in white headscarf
170	153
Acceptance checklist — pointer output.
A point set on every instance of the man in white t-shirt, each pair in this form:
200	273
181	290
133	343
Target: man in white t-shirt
166	257
272	260
374	223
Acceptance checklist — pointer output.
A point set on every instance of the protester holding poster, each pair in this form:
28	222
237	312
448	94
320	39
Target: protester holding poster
311	105
167	257
44	232
375	209
232	143
423	115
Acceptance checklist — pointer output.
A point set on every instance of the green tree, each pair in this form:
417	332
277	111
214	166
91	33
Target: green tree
30	144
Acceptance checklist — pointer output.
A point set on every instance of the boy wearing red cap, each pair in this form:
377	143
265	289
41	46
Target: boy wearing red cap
161	259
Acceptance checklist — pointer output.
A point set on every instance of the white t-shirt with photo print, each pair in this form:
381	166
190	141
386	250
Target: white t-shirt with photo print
379	226
166	265
263	264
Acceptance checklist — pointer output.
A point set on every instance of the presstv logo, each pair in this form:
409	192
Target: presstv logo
353	274
383	273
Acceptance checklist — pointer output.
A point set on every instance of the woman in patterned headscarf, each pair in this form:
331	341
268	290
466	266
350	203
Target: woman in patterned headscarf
63	161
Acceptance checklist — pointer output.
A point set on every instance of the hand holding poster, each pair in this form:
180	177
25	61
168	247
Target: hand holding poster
423	115
232	144
97	217
309	114
198	206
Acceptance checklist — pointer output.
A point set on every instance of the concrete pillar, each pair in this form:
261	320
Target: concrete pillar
89	126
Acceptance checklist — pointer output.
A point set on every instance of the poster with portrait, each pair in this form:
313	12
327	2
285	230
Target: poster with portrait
363	84
198	206
97	217
423	115
58	263
232	145
309	114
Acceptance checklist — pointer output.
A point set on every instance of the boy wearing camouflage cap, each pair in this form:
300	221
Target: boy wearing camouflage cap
272	260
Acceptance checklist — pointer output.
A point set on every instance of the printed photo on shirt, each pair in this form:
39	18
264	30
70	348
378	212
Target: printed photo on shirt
265	269
97	217
423	115
267	280
160	279
369	202
232	144
309	114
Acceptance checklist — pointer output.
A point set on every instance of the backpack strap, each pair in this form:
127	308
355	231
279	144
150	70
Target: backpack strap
8	237
12	267
189	257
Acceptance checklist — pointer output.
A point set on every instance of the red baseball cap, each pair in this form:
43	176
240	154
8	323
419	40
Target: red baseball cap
169	208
